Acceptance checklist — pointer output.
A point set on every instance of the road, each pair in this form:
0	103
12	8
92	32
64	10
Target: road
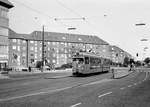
97	91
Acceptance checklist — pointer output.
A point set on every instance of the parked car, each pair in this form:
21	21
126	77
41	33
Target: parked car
46	68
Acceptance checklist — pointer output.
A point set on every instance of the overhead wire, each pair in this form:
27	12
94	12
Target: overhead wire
59	19
73	11
33	9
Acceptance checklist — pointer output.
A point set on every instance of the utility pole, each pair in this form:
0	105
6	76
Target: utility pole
42	49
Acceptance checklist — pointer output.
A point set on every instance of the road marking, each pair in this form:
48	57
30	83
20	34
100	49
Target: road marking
122	88
135	83
129	85
76	105
97	82
145	76
33	94
105	94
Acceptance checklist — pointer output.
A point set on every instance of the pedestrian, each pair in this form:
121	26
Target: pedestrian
29	69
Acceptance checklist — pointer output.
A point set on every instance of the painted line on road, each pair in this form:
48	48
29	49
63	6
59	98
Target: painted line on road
122	88
33	94
97	82
129	85
104	94
76	105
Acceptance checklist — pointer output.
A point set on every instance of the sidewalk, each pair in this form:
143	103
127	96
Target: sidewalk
37	73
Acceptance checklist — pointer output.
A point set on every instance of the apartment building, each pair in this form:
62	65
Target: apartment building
26	49
5	5
118	54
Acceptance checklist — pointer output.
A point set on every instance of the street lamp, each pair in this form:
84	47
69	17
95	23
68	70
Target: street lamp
140	24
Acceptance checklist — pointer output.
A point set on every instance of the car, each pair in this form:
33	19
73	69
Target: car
46	68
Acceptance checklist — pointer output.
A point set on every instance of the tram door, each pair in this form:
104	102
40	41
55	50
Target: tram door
87	64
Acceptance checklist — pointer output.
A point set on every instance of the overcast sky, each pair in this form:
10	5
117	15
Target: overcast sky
111	20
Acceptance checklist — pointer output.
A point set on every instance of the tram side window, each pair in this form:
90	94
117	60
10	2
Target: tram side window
106	62
95	61
86	60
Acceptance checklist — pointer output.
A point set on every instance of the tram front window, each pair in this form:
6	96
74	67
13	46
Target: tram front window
78	60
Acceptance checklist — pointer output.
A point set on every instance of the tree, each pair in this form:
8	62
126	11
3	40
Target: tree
147	60
138	63
132	61
38	64
126	61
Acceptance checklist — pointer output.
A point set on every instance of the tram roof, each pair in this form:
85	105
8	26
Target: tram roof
88	54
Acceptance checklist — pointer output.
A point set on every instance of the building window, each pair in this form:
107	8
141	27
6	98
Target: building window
31	54
18	41
35	42
54	61
54	55
14	47
62	49
62	43
31	48
23	41
35	49
64	38
24	48
65	51
31	41
23	54
79	39
35	55
104	50
32	60
40	48
69	55
69	44
104	46
18	48
18	59
14	40
54	43
3	13
62	55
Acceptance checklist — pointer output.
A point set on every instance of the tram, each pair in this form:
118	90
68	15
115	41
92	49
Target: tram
88	63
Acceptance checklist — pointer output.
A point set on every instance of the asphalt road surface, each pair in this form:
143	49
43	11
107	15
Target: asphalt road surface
92	91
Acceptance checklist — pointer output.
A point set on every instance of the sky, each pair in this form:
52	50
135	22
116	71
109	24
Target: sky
111	20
